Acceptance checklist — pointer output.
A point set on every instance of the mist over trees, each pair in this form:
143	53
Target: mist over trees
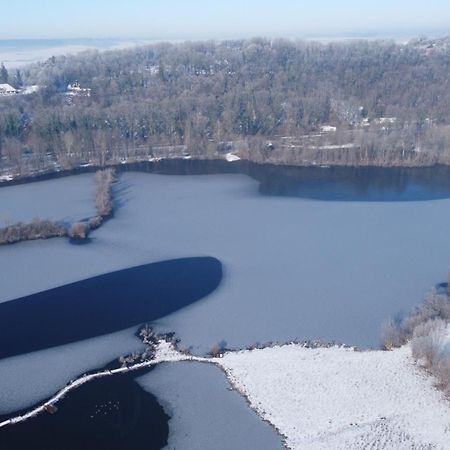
354	103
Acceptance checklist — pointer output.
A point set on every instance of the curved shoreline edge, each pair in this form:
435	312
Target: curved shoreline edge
347	395
165	352
233	165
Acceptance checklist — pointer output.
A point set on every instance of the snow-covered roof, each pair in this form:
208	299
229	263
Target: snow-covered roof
6	87
327	128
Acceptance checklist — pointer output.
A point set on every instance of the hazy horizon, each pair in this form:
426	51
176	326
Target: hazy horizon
202	19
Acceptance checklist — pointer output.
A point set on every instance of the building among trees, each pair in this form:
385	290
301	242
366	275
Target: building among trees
7	89
75	89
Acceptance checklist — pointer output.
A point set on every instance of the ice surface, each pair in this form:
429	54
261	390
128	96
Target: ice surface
293	268
204	414
65	200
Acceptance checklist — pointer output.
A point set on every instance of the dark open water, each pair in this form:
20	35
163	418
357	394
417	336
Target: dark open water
107	414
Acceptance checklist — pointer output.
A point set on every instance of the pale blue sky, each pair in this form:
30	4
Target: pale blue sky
189	19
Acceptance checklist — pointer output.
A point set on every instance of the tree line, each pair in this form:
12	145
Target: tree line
266	100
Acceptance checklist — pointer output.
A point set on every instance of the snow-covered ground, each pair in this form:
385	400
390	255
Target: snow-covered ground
337	398
324	398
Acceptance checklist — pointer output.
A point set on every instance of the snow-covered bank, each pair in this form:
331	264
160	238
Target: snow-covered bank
322	398
164	352
231	157
342	399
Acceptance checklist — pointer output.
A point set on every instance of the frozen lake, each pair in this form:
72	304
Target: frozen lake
293	267
69	201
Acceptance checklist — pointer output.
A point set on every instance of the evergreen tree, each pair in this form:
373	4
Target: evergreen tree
3	74
18	81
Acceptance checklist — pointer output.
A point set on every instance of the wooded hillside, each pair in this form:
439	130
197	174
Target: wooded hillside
355	103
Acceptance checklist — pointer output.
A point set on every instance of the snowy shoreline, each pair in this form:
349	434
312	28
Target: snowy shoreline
164	353
320	398
343	399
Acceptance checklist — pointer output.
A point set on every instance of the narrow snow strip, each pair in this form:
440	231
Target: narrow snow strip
164	353
230	157
323	398
336	398
332	147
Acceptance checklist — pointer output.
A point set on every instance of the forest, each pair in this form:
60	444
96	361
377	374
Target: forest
351	103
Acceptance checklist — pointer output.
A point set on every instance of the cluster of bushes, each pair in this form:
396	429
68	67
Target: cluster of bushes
38	229
436	306
79	230
45	229
103	203
103	198
429	347
217	350
150	340
426	328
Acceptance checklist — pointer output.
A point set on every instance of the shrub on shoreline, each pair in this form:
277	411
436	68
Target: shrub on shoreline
79	230
38	229
45	229
95	222
426	328
397	333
